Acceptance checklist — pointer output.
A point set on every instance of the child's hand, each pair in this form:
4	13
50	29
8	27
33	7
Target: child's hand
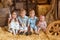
38	24
28	28
9	19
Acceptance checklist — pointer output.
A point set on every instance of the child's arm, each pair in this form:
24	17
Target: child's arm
28	25
28	22
45	24
44	27
37	23
9	20
19	23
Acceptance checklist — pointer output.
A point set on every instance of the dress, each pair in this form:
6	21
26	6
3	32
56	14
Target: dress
14	25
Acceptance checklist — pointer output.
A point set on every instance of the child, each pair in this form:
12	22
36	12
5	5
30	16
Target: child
41	24
23	21
13	23
32	21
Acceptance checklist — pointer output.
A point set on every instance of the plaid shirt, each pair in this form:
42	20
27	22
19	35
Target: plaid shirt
32	22
23	21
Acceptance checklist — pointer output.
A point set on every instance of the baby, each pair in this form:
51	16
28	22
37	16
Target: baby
41	23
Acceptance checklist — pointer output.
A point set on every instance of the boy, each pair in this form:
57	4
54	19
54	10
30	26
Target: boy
23	19
32	21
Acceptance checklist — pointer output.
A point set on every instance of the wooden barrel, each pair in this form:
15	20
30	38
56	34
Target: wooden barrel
4	16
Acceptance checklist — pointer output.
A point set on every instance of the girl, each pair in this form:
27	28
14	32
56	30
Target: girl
41	23
13	23
32	21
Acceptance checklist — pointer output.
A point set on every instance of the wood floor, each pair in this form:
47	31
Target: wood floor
5	35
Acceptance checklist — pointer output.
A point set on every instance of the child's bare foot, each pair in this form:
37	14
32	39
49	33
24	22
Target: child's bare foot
25	33
21	33
29	33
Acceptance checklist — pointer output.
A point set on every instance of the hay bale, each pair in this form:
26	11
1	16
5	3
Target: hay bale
43	9
1	6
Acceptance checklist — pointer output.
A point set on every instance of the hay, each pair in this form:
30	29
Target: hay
5	35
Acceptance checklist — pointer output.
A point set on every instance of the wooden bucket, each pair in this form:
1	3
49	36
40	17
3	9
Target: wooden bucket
4	16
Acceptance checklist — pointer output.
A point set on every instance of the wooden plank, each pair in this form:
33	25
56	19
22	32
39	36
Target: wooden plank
4	16
19	5
59	9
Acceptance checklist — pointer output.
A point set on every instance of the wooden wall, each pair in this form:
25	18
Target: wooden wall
40	6
59	9
4	16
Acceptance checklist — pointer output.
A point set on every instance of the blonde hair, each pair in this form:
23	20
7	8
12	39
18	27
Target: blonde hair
21	10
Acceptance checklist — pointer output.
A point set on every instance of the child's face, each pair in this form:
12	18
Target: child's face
42	18
32	13
22	14
14	15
